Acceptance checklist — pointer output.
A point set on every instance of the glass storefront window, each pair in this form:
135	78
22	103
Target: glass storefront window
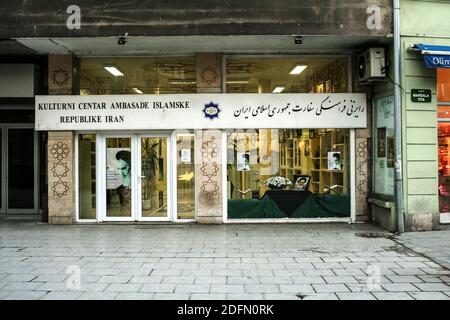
444	166
443	96
86	173
315	161
443	81
286	75
185	175
138	75
384	147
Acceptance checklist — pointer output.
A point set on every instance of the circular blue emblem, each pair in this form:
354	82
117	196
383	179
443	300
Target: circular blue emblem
211	110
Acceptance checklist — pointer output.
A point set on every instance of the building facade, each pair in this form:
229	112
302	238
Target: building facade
186	112
424	104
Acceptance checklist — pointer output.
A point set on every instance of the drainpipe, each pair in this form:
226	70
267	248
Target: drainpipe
398	121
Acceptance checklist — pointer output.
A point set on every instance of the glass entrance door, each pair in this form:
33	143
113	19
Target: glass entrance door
153	179
119	173
137	178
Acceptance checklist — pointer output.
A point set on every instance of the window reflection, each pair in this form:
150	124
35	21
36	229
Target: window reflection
185	175
87	174
155	75
286	75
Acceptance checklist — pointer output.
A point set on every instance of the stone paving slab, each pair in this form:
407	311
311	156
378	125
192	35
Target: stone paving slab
428	295
432	244
356	296
55	295
322	296
24	295
392	296
98	295
248	261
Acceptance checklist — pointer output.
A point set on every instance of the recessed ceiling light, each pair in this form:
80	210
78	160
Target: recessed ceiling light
278	89
298	69
238	81
137	90
114	71
183	82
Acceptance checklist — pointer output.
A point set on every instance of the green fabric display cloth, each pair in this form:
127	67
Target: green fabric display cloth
254	208
315	206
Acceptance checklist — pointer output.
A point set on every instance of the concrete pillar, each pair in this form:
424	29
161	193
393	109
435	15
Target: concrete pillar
61	193
209	73
60	165
363	174
208	176
208	146
60	74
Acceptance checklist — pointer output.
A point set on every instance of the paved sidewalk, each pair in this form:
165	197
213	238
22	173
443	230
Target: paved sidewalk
432	244
257	261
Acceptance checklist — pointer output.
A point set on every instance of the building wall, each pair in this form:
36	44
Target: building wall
426	18
421	22
99	18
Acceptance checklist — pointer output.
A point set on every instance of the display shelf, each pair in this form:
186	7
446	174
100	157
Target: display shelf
331	141
295	160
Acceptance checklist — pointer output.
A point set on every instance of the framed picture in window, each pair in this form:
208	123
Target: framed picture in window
381	142
334	160
243	161
390	161
301	182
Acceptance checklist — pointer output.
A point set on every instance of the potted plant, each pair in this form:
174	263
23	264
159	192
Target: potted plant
277	182
150	164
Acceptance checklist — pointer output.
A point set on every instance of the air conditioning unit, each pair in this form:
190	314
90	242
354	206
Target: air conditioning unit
371	65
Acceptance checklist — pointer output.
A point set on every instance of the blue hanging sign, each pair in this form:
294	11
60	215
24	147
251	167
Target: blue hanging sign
436	61
435	56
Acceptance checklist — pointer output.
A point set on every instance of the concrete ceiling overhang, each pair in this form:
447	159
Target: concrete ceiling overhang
9	47
178	45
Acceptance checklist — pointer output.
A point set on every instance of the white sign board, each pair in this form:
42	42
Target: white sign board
201	111
186	155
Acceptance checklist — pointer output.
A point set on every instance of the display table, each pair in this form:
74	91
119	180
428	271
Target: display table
288	200
290	204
